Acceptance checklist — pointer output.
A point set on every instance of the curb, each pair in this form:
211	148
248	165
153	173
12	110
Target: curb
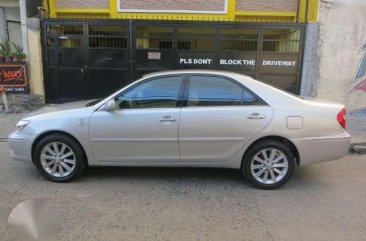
358	148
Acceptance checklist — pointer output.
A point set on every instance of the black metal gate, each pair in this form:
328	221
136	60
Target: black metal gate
85	59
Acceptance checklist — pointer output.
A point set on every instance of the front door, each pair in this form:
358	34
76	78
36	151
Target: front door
220	117
144	126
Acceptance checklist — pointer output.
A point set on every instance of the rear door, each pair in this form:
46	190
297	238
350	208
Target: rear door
218	117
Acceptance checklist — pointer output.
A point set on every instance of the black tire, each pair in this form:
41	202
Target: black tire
253	151
80	162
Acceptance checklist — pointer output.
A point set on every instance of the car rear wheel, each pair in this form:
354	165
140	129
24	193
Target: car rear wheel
59	158
268	164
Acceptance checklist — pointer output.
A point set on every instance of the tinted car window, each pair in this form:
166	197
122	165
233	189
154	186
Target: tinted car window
251	99
155	93
218	91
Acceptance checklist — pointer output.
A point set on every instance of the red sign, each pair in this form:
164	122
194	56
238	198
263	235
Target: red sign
14	78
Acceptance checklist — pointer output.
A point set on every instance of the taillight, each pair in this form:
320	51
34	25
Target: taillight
341	118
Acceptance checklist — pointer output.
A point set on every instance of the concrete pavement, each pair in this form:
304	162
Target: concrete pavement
321	202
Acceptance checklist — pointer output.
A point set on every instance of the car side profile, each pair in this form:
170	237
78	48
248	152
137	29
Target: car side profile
187	118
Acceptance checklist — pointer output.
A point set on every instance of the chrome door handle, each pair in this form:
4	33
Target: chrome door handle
256	116
168	119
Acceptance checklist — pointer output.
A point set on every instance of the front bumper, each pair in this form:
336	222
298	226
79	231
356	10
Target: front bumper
320	149
20	145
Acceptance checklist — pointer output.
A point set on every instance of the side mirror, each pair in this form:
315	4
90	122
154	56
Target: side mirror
110	105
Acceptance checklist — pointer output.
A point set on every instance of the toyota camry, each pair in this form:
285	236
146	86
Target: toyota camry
187	118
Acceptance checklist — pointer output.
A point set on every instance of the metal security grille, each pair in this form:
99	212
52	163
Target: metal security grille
199	39
240	44
107	66
108	37
87	58
281	40
152	48
239	40
64	61
154	38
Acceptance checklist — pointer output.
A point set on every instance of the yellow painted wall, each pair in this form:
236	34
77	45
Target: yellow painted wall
35	62
231	15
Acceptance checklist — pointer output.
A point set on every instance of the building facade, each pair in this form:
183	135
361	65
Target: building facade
19	25
91	48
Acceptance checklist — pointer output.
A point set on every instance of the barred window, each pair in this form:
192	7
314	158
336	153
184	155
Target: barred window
107	37
197	39
281	40
154	37
239	39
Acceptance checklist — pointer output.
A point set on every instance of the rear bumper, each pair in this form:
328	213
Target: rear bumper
20	145
320	149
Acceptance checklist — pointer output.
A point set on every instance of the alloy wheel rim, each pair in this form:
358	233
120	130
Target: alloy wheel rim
58	159
269	166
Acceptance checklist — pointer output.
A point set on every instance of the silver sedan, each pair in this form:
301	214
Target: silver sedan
188	118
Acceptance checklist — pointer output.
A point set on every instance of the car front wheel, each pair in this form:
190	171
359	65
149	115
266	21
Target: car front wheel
59	158
268	164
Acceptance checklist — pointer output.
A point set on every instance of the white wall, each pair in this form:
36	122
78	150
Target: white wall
342	34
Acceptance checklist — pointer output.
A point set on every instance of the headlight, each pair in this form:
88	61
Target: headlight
21	124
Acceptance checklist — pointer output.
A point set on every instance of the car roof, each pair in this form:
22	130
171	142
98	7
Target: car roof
193	71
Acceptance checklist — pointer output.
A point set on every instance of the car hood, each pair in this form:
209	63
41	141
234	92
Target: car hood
61	114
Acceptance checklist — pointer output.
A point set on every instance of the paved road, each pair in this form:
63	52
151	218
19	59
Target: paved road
322	202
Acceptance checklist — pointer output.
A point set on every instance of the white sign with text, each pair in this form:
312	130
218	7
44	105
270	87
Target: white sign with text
251	62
